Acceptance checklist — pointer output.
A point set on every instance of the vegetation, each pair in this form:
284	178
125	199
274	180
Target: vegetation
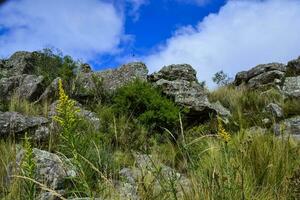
221	78
51	65
222	161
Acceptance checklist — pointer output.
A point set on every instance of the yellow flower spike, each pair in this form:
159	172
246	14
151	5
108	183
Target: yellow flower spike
222	133
66	115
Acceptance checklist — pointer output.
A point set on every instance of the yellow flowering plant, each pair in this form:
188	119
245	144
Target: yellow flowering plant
222	133
66	115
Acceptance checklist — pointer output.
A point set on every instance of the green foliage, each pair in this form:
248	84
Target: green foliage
291	107
28	170
221	78
51	65
139	99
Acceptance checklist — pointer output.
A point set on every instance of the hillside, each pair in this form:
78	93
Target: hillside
67	132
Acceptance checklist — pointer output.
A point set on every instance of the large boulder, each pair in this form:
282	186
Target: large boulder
14	123
87	85
293	67
291	87
262	75
51	170
180	83
25	86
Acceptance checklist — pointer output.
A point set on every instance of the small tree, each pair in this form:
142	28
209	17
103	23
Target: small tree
221	78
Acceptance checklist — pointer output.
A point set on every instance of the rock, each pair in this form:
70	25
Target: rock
223	112
145	168
291	87
175	72
275	110
293	67
51	169
42	133
292	126
262	75
14	123
19	63
128	188
25	86
180	83
89	116
51	92
267	79
88	84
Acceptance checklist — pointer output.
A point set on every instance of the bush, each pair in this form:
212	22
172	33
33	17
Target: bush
139	99
52	65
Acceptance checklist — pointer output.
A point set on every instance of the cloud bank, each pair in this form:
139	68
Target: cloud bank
241	35
83	29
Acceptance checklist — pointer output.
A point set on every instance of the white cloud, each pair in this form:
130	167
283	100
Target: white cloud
80	28
242	35
135	7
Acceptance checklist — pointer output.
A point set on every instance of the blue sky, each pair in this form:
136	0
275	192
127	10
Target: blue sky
211	35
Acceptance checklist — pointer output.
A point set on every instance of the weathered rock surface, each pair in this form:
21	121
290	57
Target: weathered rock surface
292	125
275	110
51	92
288	127
15	123
262	75
25	86
19	63
293	67
291	87
50	170
87	84
180	83
147	167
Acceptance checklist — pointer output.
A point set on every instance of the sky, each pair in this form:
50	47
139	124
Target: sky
211	35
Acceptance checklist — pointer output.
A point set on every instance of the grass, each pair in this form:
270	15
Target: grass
244	166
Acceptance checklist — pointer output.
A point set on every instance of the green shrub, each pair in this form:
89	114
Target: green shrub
139	99
52	65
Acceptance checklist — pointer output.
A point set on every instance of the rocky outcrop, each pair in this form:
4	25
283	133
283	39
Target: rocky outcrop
264	75
293	67
25	86
51	92
14	123
19	63
291	87
88	84
180	83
